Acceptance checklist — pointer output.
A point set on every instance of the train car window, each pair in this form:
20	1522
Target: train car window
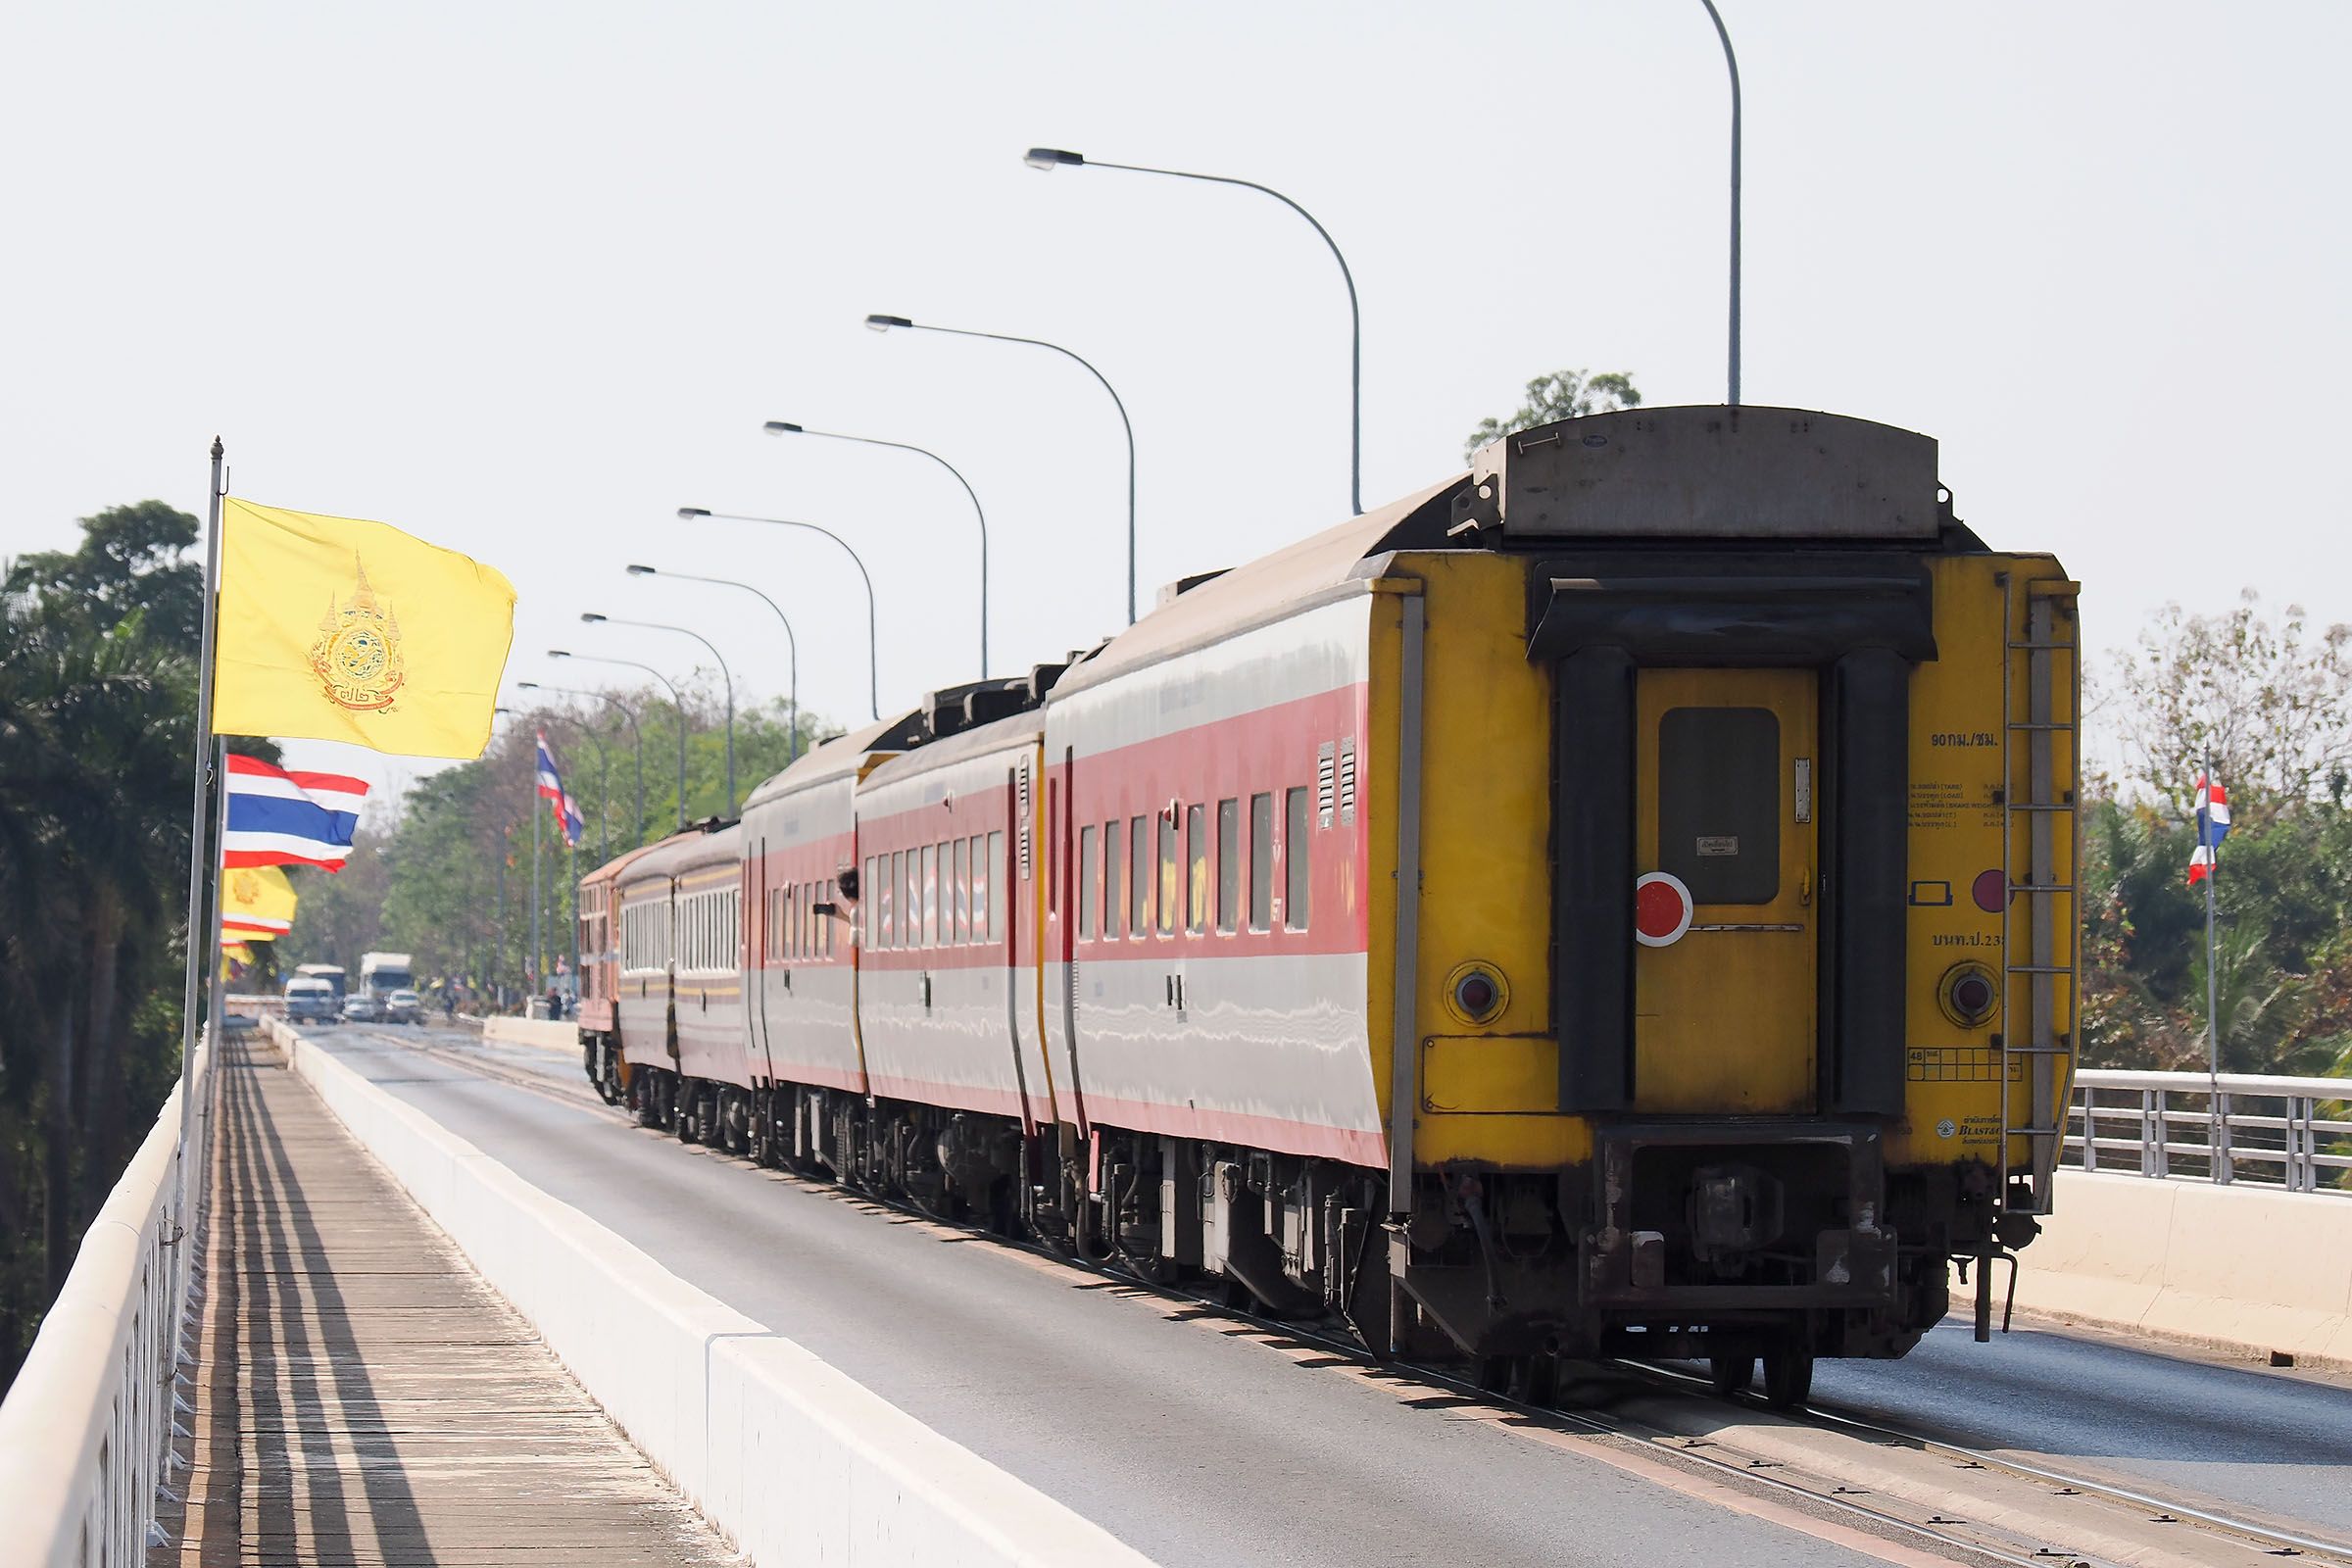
871	887
1229	864
1089	894
964	890
987	891
911	908
930	895
1139	876
1295	861
1262	862
911	898
894	902
979	858
1170	869
1719	801
824	927
1195	844
1111	880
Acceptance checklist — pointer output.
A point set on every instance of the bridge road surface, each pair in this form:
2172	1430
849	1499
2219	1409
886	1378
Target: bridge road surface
363	1398
1196	1442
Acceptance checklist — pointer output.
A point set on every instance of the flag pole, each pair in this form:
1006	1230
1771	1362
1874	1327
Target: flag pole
202	764
538	957
2217	1140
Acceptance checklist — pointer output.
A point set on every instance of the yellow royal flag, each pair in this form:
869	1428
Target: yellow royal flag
257	904
339	630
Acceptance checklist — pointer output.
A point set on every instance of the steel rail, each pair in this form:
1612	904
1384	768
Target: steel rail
1833	1417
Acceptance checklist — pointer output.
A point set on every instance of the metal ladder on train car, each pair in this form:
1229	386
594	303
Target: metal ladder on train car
2041	1059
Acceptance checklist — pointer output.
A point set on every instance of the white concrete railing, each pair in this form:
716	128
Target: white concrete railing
85	1432
789	1456
2238	1127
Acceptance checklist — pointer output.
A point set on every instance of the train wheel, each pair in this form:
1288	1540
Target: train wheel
1541	1382
1732	1372
1788	1375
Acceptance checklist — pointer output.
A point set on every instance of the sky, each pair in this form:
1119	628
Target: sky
525	278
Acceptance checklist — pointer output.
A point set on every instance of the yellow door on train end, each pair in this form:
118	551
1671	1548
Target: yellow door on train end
1724	999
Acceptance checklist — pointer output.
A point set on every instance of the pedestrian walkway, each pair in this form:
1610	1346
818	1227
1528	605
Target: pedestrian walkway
360	1398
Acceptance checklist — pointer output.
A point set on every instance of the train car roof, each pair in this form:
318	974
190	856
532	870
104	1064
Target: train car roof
844	755
619	863
1319	566
699	845
964	743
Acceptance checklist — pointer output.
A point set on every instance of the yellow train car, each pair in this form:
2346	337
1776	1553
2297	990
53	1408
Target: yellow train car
1745	933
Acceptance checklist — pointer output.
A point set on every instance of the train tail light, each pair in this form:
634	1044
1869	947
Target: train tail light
1968	994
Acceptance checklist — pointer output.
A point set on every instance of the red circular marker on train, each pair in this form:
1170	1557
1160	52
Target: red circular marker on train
1988	890
1662	907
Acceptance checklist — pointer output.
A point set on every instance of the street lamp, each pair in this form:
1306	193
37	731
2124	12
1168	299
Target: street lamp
884	324
1050	159
873	638
792	647
636	736
783	427
1732	62
726	676
676	701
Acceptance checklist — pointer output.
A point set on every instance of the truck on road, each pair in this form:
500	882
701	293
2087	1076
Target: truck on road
331	973
382	973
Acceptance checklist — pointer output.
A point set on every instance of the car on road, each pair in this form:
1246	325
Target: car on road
361	1007
404	1007
310	1000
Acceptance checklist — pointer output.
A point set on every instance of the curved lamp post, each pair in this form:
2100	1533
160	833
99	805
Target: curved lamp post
676	701
726	675
792	646
1050	159
785	428
873	638
884	324
1732	62
636	736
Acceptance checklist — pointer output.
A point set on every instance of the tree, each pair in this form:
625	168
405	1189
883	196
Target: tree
95	734
131	561
1561	395
2271	706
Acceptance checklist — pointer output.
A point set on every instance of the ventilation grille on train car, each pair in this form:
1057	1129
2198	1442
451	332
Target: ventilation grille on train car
1326	786
1020	799
1348	781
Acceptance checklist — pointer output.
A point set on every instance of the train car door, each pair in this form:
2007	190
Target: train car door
1725	908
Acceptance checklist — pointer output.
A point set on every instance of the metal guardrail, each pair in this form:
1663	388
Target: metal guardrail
87	1431
2294	1133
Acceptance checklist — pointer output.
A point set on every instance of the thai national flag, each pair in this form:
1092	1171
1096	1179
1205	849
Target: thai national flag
281	818
2213	826
566	811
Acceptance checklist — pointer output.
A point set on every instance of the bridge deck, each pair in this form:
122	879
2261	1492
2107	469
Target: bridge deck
364	1399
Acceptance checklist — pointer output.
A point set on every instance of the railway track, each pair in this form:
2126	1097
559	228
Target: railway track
1891	1483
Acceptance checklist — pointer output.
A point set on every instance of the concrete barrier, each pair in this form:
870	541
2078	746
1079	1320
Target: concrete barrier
2240	1268
797	1463
85	1428
548	1034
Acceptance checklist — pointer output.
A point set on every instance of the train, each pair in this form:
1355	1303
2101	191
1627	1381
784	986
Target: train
1617	901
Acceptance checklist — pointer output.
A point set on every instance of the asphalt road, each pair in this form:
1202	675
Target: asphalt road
1200	1441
